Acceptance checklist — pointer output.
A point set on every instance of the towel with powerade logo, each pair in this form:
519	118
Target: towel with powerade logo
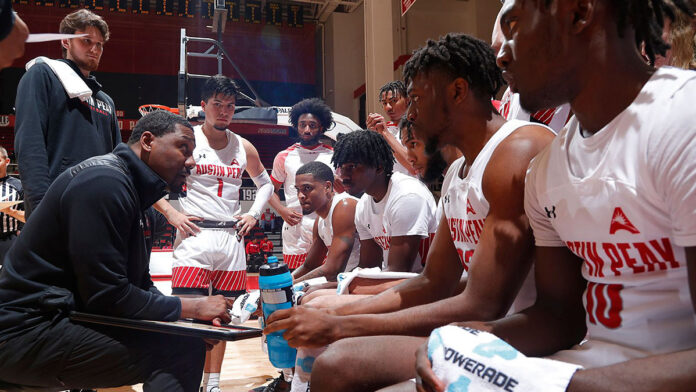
471	360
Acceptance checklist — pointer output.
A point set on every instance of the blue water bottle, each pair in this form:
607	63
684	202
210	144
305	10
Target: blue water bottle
275	283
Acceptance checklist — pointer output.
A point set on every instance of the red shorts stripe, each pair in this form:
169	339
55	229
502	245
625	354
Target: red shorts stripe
229	280
294	261
190	277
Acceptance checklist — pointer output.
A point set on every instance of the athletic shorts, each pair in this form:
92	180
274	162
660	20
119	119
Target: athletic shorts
211	262
297	240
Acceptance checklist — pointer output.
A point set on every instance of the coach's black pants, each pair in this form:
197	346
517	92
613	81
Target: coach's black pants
72	355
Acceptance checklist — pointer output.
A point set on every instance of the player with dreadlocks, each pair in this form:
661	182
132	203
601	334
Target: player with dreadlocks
611	203
483	234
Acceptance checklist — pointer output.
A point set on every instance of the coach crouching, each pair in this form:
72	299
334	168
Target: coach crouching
83	249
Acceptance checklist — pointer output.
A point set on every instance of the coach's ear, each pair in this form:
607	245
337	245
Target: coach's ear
146	140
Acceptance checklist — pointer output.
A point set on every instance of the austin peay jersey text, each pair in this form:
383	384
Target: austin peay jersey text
623	200
408	208
212	189
466	208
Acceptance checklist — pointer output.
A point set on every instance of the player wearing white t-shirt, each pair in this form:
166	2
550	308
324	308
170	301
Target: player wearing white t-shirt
392	97
311	117
632	229
213	260
406	209
611	201
336	247
490	178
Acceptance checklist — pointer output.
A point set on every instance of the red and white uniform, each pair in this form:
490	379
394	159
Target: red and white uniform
466	208
624	201
297	239
393	128
325	230
408	208
554	118
214	256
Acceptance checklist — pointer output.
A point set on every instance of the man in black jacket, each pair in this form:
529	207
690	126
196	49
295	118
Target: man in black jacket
54	131
84	249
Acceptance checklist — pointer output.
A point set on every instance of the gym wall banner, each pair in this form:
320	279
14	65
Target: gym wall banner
405	5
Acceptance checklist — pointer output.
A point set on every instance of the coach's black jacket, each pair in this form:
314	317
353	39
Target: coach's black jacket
85	242
54	132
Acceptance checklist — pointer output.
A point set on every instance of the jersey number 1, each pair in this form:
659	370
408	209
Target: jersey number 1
220	187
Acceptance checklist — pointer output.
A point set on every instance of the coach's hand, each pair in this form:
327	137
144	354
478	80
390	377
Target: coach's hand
304	326
183	223
426	380
215	309
245	224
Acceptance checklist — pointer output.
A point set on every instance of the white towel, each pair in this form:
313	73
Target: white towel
244	306
344	278
468	359
73	84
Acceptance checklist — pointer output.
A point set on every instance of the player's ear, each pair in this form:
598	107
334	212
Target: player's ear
583	14
458	89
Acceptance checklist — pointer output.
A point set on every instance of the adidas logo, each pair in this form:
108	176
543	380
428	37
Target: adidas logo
619	221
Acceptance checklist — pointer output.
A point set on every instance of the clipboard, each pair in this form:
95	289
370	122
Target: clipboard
5	204
197	329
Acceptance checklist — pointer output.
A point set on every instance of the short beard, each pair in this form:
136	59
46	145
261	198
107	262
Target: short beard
311	142
436	165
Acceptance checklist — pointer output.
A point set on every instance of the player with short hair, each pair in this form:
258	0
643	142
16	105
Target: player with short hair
213	261
392	97
336	246
56	129
611	200
311	117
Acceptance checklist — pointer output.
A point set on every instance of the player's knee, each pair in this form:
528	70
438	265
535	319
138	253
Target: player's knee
332	370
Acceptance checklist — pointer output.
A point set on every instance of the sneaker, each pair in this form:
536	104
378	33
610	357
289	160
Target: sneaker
277	385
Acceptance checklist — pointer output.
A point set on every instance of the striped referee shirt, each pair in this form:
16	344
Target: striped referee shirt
10	190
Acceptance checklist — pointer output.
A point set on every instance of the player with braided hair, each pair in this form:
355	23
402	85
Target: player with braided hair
611	203
482	237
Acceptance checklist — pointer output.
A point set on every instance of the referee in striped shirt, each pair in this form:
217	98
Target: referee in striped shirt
12	217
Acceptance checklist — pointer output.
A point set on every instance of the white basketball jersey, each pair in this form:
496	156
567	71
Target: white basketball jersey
393	128
408	208
624	201
466	208
325	229
288	161
212	189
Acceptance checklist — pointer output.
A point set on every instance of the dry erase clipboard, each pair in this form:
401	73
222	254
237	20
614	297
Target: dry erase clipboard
181	327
